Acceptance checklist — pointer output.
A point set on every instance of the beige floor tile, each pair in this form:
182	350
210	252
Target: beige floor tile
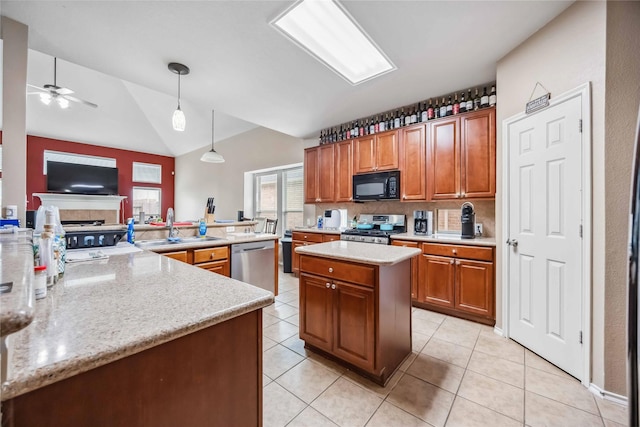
455	322
493	394
423	326
287	296
363	382
278	360
280	331
431	316
294	303
279	406
307	380
266	380
294	320
287	286
388	415
498	369
541	411
296	344
336	367
310	418
563	390
469	414
503	348
465	337
281	312
347	404
488	330
424	400
609	423
535	361
437	372
418	341
613	411
267	343
268	320
408	361
449	352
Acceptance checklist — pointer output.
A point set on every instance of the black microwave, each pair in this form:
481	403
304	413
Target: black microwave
376	186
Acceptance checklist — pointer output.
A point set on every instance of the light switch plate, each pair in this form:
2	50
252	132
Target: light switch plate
231	229
478	229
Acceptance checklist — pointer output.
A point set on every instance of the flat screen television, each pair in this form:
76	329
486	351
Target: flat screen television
71	178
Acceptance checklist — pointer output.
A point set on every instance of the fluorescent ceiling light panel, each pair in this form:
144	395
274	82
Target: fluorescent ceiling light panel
325	30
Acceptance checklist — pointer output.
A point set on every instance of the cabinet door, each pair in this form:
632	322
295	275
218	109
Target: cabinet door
295	258
415	261
220	267
343	172
387	151
413	164
326	167
437	275
311	175
474	287
354	324
316	311
179	255
444	159
364	154
478	171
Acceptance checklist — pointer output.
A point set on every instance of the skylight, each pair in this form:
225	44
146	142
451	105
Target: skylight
326	31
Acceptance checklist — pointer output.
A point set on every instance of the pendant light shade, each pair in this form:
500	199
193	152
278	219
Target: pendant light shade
179	121
212	156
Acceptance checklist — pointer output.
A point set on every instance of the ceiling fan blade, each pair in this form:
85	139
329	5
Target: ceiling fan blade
37	87
81	101
64	91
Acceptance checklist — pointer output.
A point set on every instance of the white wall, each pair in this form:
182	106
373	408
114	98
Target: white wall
195	181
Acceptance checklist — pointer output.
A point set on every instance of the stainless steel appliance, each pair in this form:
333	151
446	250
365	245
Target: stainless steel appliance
423	222
331	218
253	263
468	220
375	229
376	186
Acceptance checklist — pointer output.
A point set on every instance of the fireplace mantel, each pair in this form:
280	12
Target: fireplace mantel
81	201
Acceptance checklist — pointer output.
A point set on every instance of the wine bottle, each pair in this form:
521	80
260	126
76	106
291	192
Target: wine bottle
484	100
456	104
396	120
469	101
443	108
493	98
376	125
449	107
372	127
361	128
389	124
436	110
356	130
430	113
423	113
462	107
476	100
414	115
383	124
407	118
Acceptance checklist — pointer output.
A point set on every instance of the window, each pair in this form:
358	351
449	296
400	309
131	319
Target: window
278	195
146	200
145	172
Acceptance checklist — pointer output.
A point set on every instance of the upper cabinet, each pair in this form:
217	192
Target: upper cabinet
461	158
319	174
343	172
376	152
413	159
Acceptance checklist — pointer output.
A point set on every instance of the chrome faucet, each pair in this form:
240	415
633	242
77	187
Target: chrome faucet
172	230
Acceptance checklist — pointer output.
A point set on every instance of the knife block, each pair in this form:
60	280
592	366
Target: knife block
209	218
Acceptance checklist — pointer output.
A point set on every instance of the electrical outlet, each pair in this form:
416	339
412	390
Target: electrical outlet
478	229
230	229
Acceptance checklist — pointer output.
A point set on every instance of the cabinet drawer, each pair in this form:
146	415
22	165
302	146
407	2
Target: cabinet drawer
210	254
330	237
220	267
339	270
404	243
458	251
307	237
179	255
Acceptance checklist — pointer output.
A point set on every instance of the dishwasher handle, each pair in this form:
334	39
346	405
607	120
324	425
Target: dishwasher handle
254	249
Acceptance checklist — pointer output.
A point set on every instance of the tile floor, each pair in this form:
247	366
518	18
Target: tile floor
459	374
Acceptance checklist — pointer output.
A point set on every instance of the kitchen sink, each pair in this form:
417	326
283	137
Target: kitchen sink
178	240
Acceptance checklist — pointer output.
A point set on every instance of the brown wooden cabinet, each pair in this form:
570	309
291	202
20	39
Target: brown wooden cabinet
413	160
179	255
319	174
301	238
215	259
414	265
343	172
461	156
356	313
376	152
457	280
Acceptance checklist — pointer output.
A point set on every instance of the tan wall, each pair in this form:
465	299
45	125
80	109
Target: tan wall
256	149
566	53
621	114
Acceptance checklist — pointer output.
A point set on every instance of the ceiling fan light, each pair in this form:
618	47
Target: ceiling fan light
45	98
63	103
212	157
179	121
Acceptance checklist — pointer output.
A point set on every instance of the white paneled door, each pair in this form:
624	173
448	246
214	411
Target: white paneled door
545	230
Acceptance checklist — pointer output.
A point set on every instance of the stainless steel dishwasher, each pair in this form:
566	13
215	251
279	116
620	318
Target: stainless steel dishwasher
254	263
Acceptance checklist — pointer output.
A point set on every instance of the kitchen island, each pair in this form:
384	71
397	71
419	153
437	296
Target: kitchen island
137	339
355	304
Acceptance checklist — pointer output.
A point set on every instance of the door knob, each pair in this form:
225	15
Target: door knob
512	242
328	285
330	270
333	286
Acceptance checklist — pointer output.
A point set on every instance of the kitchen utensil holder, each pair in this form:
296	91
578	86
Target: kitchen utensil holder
209	218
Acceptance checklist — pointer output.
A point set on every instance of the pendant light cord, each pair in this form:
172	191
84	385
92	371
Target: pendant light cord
212	127
179	74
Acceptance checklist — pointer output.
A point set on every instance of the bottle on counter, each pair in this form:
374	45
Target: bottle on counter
202	228
60	242
319	222
40	281
131	234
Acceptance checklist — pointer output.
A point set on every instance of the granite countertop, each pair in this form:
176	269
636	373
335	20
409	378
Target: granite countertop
448	239
147	227
318	230
230	239
366	253
16	267
105	310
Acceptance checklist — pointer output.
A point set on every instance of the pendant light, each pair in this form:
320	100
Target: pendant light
212	156
179	121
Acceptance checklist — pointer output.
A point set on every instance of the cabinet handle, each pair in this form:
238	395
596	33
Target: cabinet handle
328	285
464	194
305	237
330	270
457	262
404	197
458	195
454	251
451	262
333	286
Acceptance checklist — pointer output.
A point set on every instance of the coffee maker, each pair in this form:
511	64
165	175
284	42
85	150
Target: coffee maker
468	220
423	222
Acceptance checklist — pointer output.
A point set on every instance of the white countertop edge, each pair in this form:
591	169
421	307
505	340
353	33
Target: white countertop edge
365	253
454	240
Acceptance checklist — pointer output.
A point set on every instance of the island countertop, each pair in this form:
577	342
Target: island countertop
445	238
366	253
105	310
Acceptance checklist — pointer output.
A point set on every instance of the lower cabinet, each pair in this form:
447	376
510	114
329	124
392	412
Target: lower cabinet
414	265
301	238
215	259
457	280
179	255
356	313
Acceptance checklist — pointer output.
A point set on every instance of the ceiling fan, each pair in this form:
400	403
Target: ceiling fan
53	92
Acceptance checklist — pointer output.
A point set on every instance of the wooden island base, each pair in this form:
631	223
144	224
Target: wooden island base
212	377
